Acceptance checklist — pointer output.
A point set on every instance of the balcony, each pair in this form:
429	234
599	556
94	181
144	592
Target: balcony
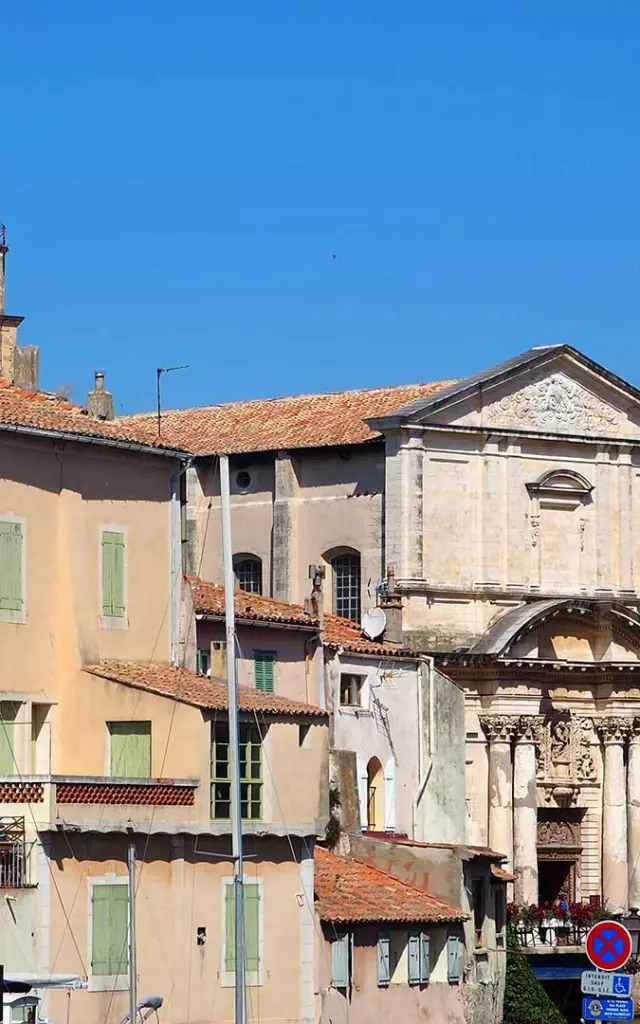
14	854
544	928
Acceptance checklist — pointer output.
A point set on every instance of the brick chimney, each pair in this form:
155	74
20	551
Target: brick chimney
18	364
100	401
391	603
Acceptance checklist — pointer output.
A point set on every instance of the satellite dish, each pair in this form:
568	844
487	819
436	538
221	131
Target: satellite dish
373	623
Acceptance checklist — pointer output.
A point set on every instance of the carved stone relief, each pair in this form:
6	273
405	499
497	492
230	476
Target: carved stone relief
499	728
556	402
564	753
558	833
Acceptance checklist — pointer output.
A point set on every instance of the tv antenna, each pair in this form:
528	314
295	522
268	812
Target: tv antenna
160	370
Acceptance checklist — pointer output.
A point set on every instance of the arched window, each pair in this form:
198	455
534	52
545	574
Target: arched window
375	796
346	575
248	572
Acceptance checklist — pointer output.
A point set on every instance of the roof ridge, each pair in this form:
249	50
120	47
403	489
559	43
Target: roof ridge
248	593
287	398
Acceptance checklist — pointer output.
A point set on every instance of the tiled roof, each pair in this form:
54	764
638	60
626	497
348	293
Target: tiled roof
200	691
348	635
349	891
38	410
208	599
268	424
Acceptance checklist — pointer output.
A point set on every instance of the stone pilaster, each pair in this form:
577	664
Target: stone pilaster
525	808
614	733
284	528
625	546
493	528
633	815
604	519
500	730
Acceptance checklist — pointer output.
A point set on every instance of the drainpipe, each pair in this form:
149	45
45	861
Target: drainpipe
176	562
424	770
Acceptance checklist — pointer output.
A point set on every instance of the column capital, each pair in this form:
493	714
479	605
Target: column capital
529	729
499	728
634	733
615	730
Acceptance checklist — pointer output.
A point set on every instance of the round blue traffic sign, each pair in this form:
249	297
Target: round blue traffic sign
608	945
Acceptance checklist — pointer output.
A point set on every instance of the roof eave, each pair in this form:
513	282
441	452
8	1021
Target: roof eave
108	442
263	623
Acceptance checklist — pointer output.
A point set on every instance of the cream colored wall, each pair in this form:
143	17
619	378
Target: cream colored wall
337	504
296	772
65	496
180	890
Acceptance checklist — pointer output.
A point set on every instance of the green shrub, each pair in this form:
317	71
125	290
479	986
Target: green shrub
525	1000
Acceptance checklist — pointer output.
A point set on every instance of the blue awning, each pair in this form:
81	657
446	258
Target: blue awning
553	973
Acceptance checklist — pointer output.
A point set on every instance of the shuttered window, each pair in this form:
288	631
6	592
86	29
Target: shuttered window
11	555
453	958
341	961
130	749
264	662
8	711
384	961
252	928
419	958
110	930
113	596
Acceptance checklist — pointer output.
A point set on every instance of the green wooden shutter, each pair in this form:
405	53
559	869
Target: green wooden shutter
414	959
130	749
8	712
110	930
425	957
251	927
453	958
384	961
11	539
340	948
112	574
264	662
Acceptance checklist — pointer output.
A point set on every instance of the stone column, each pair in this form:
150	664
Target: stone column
500	730
525	809
614	732
284	529
633	815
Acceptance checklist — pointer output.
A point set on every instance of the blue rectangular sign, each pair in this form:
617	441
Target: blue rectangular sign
605	1008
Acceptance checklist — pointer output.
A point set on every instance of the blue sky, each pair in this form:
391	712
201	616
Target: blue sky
176	178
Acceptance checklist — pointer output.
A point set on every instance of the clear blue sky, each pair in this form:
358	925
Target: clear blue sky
176	177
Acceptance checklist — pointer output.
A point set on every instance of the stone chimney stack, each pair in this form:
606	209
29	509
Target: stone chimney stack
19	365
391	602
100	401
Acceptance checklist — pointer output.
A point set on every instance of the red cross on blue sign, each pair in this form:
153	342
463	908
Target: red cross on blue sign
608	945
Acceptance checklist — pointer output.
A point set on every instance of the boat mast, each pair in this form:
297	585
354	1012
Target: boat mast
234	743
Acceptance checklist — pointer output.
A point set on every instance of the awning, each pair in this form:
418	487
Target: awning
501	875
557	973
34	980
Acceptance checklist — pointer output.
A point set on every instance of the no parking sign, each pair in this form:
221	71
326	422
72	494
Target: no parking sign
608	945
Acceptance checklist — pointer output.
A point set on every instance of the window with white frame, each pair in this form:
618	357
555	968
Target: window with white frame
108	934
253	931
346	572
248	573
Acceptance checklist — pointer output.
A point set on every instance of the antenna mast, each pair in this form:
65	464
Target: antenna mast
160	370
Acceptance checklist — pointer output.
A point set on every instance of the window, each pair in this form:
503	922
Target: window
453	958
264	666
346	586
384	961
351	690
375	796
250	772
12	603
253	932
419	958
501	914
8	711
13	854
203	662
113	575
342	961
243	480
477	895
130	749
109	954
249	575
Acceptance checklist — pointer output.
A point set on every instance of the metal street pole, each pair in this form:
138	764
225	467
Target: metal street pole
234	742
133	994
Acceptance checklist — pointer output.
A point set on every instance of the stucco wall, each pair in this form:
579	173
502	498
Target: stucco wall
440	813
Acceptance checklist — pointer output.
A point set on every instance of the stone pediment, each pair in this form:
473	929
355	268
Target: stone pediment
549	390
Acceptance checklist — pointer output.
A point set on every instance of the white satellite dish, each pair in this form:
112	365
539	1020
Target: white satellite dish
373	623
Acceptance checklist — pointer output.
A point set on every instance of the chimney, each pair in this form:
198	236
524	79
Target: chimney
100	401
391	602
17	365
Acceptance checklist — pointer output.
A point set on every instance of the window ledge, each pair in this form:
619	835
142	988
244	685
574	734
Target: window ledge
349	709
108	983
114	622
18	618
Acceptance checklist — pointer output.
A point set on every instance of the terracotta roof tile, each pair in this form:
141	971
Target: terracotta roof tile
42	411
268	424
350	891
208	599
200	691
348	635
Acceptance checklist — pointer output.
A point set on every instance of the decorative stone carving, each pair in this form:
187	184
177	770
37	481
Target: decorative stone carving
499	728
535	531
560	741
583	527
529	729
564	757
615	730
555	402
558	833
